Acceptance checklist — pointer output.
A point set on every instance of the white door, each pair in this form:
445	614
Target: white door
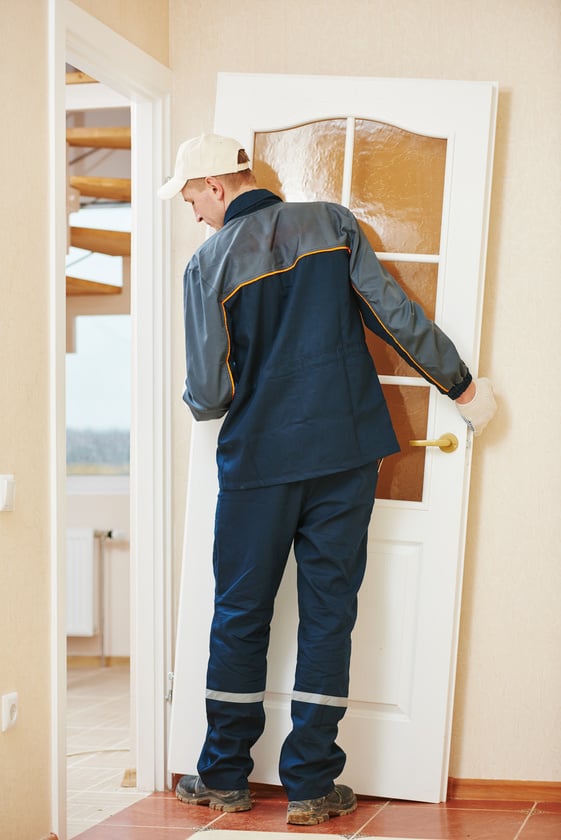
412	159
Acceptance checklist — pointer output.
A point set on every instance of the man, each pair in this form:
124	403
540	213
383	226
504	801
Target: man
274	307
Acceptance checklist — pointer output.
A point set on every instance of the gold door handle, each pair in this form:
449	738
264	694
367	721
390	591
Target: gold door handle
446	443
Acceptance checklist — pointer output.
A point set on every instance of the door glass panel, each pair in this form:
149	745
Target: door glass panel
397	187
402	475
304	163
419	281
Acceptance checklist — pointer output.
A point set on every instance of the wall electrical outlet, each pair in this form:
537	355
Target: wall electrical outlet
7	492
9	710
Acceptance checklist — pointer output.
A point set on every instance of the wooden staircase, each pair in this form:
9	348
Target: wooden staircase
116	189
115	243
117	137
95	297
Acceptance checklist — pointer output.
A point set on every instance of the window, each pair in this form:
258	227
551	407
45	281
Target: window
98	397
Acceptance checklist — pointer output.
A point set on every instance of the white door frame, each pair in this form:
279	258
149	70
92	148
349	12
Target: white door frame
96	49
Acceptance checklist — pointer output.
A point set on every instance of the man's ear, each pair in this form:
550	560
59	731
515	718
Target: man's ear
215	186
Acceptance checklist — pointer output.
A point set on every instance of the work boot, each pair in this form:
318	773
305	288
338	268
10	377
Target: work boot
340	801
193	791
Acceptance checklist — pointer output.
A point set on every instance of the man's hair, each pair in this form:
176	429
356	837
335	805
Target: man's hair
235	180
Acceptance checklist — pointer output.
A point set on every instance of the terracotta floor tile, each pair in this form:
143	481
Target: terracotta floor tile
162	817
524	806
164	811
548	807
441	823
542	826
233	834
269	814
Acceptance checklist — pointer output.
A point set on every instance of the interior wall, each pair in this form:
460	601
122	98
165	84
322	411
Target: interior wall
24	392
506	723
143	22
24	396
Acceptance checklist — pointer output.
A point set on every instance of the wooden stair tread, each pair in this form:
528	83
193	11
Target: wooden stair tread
76	77
116	243
117	189
77	286
115	137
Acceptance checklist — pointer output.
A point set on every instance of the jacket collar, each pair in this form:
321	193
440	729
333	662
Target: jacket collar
249	202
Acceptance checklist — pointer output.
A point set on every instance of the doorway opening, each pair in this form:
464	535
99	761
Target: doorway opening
101	749
144	85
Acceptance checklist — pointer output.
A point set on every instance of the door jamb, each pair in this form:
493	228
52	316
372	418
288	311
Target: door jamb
99	51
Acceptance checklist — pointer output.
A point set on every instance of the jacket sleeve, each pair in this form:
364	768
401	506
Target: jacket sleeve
208	388
402	323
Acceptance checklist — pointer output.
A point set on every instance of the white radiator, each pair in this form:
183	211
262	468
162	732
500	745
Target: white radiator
81	583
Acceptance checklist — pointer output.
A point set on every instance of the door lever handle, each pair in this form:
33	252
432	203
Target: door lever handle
446	443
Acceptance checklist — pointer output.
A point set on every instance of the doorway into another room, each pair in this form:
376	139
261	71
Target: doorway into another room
101	750
110	429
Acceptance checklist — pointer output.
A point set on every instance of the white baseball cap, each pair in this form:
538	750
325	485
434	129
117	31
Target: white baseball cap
200	157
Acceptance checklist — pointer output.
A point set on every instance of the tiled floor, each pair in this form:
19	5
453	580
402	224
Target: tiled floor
99	808
98	746
162	817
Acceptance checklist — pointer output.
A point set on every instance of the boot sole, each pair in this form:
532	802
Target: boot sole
309	818
214	804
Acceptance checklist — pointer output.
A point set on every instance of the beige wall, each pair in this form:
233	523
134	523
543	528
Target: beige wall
143	22
507	723
24	392
24	558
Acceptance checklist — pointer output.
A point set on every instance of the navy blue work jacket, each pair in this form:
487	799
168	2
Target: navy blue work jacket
274	308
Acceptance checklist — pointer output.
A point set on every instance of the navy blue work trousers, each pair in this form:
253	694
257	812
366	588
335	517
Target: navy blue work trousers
326	519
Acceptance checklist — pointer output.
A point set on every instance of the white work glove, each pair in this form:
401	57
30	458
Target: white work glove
481	409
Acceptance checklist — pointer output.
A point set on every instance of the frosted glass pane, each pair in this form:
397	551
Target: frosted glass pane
419	281
402	475
397	187
304	163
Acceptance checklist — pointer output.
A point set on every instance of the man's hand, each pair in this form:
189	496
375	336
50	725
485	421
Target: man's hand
477	405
